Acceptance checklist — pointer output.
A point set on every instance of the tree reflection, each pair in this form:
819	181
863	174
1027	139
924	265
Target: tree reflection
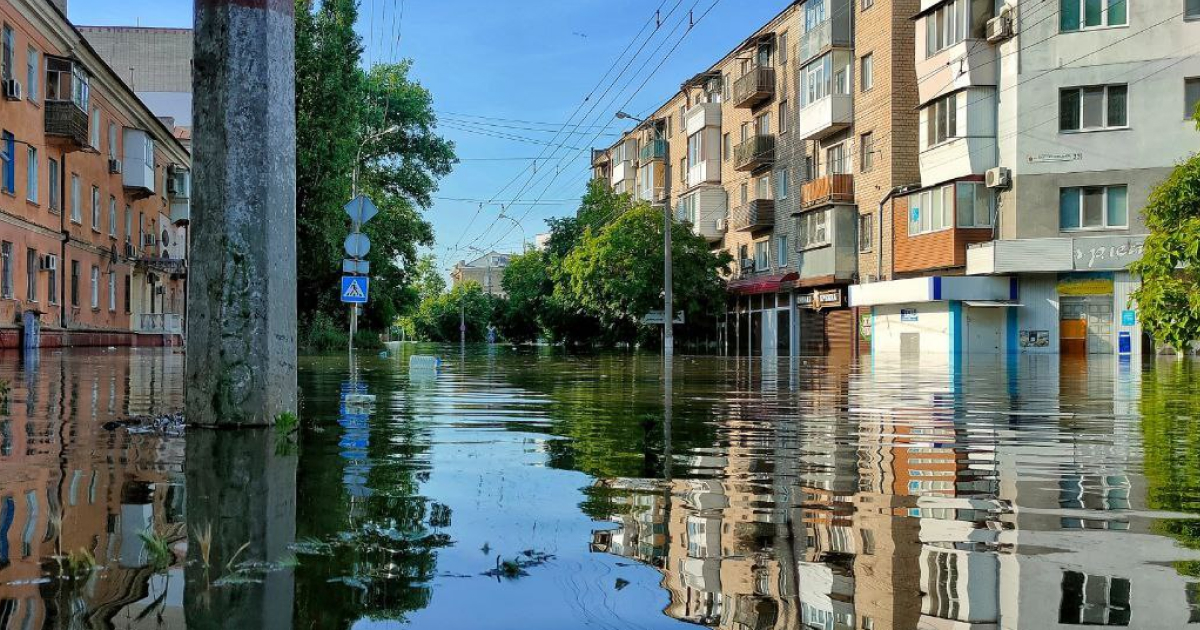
1170	408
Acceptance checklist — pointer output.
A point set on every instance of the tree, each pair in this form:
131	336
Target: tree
380	121
616	273
438	318
528	284
1169	296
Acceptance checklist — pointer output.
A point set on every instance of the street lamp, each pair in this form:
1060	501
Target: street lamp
519	227
623	115
358	157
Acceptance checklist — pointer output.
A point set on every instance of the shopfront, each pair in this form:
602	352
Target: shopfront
759	320
826	325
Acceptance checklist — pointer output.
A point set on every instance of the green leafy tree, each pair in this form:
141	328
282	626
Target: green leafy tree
438	318
616	273
1169	296
529	286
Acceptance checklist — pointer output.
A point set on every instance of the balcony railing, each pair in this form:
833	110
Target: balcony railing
754	87
159	323
822	191
754	153
758	214
653	194
653	150
65	120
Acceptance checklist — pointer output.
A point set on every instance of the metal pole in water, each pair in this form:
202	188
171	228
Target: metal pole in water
668	298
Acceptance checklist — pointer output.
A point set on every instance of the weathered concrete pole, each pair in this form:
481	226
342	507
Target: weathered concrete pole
241	337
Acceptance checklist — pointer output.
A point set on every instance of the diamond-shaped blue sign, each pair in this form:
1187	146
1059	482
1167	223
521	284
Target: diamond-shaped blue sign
354	289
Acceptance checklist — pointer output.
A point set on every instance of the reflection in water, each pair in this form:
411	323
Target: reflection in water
819	494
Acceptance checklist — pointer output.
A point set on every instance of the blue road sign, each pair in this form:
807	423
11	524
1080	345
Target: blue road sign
354	289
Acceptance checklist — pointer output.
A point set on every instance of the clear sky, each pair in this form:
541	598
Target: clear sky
504	73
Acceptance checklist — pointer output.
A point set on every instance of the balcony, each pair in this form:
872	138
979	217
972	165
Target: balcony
754	87
831	33
826	116
758	214
158	323
702	115
705	211
653	150
969	63
754	153
830	189
622	173
599	157
138	172
65	121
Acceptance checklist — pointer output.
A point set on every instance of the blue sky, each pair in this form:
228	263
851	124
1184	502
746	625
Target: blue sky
530	63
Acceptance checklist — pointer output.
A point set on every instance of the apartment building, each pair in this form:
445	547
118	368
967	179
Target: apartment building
1043	129
487	271
94	187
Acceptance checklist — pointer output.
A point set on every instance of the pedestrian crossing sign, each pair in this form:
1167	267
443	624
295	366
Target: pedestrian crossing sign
354	289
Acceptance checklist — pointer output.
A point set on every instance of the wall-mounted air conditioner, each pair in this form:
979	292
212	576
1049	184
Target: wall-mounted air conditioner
999	177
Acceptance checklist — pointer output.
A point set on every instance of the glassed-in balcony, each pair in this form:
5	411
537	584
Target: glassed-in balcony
826	95
705	210
827	26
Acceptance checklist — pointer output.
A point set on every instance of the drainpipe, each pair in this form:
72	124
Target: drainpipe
64	237
879	219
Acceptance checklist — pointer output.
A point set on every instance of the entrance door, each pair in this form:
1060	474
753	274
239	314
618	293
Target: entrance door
1086	326
983	329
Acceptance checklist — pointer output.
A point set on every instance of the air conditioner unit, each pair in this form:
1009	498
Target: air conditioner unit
999	177
49	262
999	28
747	264
115	167
722	225
12	90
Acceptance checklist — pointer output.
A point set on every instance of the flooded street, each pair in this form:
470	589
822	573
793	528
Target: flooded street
535	490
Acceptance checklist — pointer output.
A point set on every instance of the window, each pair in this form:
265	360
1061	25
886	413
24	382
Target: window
683	118
812	229
112	216
31	270
55	193
867	72
931	210
95	129
866	149
112	141
864	233
128	223
10	50
112	291
781	250
128	293
75	283
10	158
821	78
745	193
683	169
95	287
1088	108
6	270
95	209
781	184
743	252
76	213
33	71
946	26
1094	600
781	43
867	4
52	279
31	175
745	131
1191	95
835	159
725	86
973	206
1078	15
941	120
762	255
726	146
1192	10
695	149
1093	208
783	116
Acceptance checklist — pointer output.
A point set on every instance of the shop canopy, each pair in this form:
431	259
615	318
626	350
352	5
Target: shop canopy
762	284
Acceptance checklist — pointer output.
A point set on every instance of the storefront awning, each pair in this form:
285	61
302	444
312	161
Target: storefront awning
990	303
761	284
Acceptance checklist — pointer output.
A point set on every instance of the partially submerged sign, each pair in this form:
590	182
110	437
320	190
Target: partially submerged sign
655	318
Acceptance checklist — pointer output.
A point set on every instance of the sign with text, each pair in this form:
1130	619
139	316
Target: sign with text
1107	252
908	314
656	318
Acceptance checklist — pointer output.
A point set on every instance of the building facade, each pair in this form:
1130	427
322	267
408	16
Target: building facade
487	271
94	188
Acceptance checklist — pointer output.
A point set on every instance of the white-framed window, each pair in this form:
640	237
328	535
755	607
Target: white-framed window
812	229
1082	15
867	4
835	160
95	208
783	116
941	120
1094	107
825	76
781	184
95	287
52	280
6	270
53	176
745	191
95	129
726	147
946	26
112	291
1191	93
867	72
762	187
112	216
865	235
1094	600
1093	207
762	125
931	210
112	141
31	174
33	73
973	207
762	255
695	148
866	151
781	250
76	212
781	44
129	223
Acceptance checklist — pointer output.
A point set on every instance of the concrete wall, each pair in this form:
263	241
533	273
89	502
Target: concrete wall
933	325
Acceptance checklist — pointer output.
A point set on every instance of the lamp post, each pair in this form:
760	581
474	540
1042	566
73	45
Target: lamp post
668	298
519	227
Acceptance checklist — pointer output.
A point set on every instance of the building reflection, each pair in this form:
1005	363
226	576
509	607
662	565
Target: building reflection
70	489
897	500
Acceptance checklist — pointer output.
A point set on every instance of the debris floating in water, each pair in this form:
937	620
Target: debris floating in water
170	424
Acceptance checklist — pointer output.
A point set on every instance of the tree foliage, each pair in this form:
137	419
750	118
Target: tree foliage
438	317
379	120
1169	296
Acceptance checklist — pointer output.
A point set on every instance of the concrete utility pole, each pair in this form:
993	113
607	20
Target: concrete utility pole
241	362
668	299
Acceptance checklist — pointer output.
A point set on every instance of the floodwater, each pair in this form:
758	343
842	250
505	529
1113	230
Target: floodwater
532	490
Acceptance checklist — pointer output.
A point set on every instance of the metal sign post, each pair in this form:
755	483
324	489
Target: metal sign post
356	283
